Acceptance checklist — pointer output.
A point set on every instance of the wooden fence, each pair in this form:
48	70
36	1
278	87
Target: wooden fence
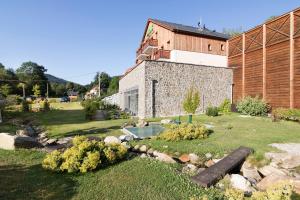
266	61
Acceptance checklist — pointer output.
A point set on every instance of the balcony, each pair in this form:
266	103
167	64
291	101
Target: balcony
162	54
146	49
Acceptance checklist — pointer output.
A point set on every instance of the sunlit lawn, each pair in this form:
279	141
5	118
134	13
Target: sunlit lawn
22	176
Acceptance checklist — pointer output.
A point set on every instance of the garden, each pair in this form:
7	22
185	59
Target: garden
92	167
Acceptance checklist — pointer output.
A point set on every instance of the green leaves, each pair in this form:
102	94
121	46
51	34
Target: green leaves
191	101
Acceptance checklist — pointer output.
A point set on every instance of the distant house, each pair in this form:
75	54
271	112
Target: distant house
170	59
94	92
73	95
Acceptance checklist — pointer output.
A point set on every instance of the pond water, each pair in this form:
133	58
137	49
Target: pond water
144	132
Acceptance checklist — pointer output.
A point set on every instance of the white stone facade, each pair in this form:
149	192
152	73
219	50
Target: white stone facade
166	83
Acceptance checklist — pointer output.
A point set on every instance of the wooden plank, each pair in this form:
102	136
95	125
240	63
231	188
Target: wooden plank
213	174
264	62
292	60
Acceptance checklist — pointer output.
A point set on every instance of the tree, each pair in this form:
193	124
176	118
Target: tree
31	73
191	102
6	89
271	18
232	32
36	90
113	85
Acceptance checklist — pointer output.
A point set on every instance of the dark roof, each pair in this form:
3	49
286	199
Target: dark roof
190	29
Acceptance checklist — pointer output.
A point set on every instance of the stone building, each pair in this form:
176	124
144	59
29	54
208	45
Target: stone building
170	59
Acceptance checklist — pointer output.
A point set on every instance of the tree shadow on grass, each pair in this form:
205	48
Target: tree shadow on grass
92	130
34	182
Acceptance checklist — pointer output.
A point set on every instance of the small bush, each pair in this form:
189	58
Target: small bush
286	114
84	156
25	107
212	111
191	101
253	106
44	105
234	194
90	108
12	100
184	132
279	191
225	106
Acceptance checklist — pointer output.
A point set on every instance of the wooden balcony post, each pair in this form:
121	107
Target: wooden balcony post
292	68
264	63
243	67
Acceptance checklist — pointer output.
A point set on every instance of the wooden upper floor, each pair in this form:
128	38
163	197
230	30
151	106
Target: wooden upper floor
161	37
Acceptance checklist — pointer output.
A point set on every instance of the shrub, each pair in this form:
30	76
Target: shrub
225	106
234	194
212	111
84	156
253	106
44	105
13	100
25	106
279	191
184	132
90	108
286	114
191	101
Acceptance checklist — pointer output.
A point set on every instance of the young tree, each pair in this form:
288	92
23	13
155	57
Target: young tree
36	90
191	102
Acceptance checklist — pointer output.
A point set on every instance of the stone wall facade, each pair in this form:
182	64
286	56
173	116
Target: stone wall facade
173	81
163	85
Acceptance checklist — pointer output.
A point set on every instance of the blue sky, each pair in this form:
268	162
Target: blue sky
75	38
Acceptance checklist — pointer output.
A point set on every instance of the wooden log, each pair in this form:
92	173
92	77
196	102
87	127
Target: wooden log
213	174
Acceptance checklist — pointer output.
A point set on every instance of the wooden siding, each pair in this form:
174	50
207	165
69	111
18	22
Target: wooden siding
164	36
277	74
199	44
237	81
297	72
278	54
254	73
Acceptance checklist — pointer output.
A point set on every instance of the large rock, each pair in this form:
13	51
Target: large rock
267	170
166	121
27	131
7	141
10	142
163	157
142	123
126	137
271	180
250	172
239	182
112	140
184	158
194	159
291	163
143	148
190	169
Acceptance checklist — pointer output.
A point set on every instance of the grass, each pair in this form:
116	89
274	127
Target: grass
23	178
22	175
232	131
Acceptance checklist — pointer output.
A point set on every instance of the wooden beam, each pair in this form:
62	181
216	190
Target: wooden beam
264	63
243	67
292	68
213	174
280	32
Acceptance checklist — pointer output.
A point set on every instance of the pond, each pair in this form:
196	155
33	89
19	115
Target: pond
144	132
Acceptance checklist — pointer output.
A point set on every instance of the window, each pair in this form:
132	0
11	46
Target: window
222	47
209	47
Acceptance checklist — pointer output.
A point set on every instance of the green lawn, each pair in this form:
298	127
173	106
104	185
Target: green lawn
254	132
22	176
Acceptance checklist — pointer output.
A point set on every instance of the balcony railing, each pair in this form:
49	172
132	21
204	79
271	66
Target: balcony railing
162	54
147	47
